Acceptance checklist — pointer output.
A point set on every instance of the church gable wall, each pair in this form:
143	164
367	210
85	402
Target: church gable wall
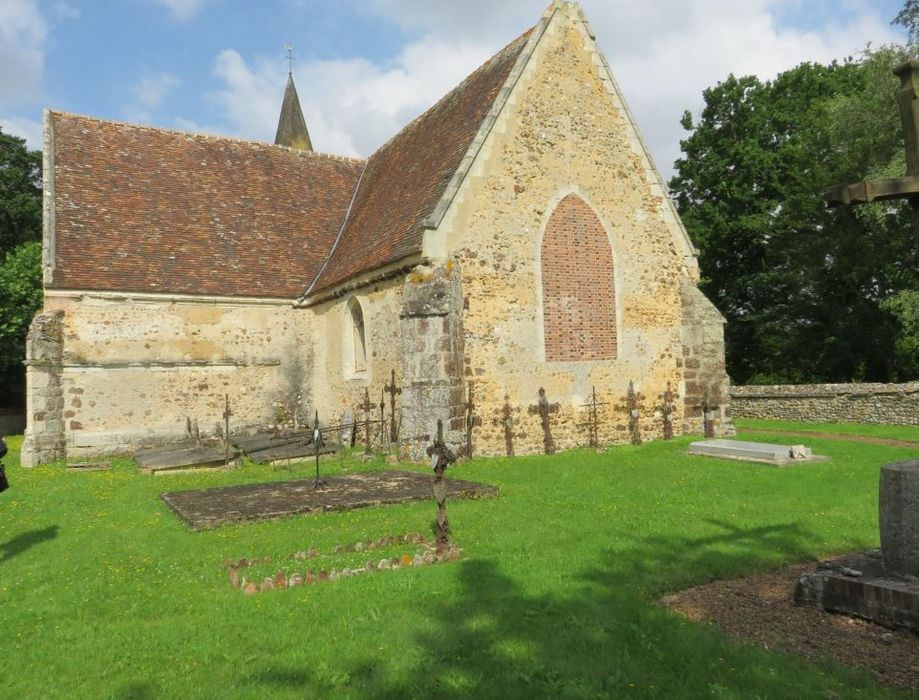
134	370
565	133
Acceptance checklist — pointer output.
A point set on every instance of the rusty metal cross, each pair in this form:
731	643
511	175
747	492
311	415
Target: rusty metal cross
393	391
902	187
472	420
545	409
366	407
507	421
593	418
667	408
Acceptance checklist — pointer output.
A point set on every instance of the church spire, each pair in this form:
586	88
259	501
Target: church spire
292	126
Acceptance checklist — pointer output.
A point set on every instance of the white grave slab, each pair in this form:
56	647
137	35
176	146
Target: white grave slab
762	452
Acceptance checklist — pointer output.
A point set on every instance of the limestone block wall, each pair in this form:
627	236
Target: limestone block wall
134	369
564	132
896	404
335	391
707	386
44	437
432	356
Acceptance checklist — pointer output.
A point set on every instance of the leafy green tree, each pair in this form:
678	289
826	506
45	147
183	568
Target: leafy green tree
20	258
20	193
801	285
20	299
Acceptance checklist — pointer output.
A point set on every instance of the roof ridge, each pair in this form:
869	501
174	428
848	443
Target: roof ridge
213	137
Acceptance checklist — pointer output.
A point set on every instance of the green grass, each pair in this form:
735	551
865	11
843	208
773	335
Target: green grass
895	432
103	593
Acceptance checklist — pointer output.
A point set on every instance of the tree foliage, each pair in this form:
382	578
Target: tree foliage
803	286
20	299
20	256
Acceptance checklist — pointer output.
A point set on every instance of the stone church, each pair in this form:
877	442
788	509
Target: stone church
515	236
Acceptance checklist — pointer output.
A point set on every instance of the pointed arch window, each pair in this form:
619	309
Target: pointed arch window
355	339
578	285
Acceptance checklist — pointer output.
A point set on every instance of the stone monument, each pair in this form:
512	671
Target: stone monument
881	586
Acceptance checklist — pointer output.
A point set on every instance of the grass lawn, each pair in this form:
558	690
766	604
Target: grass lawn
104	593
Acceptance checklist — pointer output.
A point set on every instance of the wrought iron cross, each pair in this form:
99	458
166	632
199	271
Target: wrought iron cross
633	401
667	409
317	445
393	391
902	187
709	412
472	420
508	422
290	58
441	457
593	419
366	407
545	409
382	416
226	431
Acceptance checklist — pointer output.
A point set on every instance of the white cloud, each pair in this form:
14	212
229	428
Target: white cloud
29	129
377	102
182	9
664	53
148	93
22	37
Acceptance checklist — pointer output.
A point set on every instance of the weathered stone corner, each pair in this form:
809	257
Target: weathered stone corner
707	397
432	358
44	438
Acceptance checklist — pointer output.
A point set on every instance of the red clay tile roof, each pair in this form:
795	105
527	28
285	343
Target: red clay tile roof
148	210
406	178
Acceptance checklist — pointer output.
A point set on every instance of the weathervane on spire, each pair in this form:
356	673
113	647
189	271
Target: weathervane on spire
290	58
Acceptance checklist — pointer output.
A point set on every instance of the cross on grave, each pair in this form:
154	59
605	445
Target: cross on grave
472	420
393	391
366	407
897	188
383	417
507	421
709	412
545	409
667	409
226	431
317	445
593	419
441	457
632	404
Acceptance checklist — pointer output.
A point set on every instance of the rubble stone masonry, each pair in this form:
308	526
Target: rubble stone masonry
895	404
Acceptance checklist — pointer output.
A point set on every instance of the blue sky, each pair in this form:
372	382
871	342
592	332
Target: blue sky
364	68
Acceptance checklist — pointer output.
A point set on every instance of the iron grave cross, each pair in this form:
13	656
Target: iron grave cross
901	187
393	391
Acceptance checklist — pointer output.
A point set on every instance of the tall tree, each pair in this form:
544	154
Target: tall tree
802	286
20	193
20	258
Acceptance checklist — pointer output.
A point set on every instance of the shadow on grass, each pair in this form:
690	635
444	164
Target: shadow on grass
25	541
607	638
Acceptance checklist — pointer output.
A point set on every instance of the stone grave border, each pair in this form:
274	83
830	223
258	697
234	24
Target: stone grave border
427	553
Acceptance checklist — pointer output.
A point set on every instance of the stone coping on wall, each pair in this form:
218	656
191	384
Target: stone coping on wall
802	391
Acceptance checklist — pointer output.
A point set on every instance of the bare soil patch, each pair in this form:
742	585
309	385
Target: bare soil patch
833	436
760	609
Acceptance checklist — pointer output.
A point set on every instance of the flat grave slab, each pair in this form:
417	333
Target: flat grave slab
760	452
208	508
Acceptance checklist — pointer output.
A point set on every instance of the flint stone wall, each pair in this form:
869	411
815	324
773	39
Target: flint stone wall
894	404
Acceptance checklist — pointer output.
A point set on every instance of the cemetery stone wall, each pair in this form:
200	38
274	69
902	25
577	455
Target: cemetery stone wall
895	404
